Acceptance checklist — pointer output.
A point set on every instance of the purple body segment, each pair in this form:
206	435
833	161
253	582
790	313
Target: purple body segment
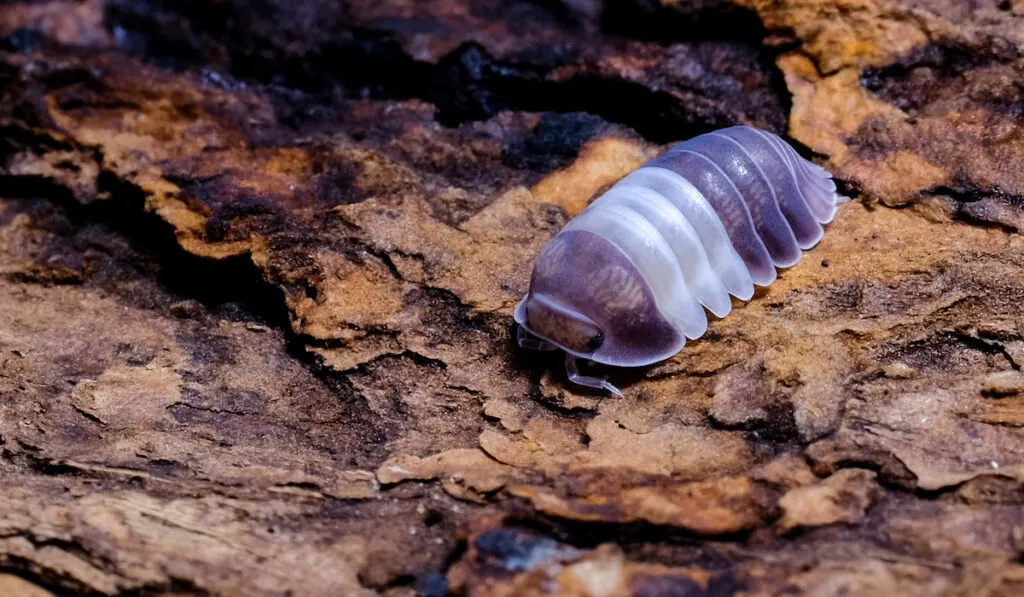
815	184
756	191
722	194
777	169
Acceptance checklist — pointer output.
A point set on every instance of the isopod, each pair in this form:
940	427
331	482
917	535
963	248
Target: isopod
626	282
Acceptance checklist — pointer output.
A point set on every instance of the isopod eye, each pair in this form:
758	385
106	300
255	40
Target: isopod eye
595	342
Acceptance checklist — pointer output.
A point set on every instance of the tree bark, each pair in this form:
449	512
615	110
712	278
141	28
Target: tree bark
258	262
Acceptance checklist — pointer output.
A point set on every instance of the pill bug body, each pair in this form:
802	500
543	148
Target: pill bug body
626	282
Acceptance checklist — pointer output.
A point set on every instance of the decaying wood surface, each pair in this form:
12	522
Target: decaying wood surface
258	261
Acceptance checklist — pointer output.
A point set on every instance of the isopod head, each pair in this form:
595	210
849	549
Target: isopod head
588	299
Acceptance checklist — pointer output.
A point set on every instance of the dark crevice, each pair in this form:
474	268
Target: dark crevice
432	585
565	412
704	20
892	473
985	217
335	343
173	586
59	583
588	535
848	188
964	190
778	427
523	544
466	84
386	259
381	360
915	80
135	244
980	206
233	287
209	409
471	85
50	467
943	351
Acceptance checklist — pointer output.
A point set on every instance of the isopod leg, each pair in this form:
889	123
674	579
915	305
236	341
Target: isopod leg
525	340
591	382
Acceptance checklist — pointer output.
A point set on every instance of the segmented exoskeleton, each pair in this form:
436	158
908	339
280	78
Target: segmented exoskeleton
626	282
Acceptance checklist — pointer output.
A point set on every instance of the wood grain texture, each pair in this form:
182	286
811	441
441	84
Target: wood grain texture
258	262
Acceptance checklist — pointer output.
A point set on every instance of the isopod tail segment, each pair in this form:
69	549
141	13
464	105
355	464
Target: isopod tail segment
627	281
